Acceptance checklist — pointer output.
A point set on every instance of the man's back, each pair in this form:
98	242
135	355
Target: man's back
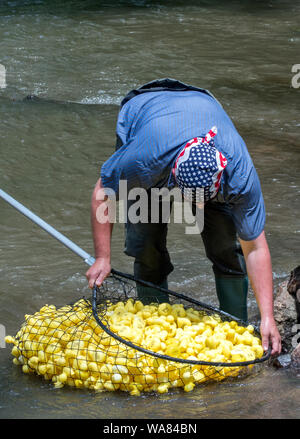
168	119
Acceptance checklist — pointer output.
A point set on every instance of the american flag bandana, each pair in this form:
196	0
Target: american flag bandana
198	167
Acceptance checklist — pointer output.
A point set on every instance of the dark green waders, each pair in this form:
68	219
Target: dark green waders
147	244
224	251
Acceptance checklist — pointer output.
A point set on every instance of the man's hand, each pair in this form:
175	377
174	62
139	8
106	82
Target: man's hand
259	268
270	335
102	232
98	272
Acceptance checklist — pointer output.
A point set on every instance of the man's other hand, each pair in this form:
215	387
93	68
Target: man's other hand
270	335
98	272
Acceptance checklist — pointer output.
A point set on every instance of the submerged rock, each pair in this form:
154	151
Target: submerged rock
282	361
293	288
295	357
287	317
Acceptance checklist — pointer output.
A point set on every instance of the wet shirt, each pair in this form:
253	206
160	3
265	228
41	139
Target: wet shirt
153	127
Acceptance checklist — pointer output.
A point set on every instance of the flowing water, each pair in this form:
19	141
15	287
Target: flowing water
81	57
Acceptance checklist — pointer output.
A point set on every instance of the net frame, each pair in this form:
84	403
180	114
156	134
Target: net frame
99	305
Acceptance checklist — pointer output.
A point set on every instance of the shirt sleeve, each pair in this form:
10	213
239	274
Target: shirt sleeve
128	165
248	210
125	163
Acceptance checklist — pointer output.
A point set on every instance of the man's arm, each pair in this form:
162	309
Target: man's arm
102	232
259	268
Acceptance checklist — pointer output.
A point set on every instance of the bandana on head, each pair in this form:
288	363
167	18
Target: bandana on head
200	165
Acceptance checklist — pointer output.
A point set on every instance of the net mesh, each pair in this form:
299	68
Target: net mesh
115	342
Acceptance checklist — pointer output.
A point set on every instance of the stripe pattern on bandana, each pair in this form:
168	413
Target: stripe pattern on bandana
199	167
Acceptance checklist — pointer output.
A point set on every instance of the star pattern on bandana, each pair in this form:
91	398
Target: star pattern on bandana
198	166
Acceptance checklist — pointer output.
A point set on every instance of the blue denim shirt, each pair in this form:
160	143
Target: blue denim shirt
154	125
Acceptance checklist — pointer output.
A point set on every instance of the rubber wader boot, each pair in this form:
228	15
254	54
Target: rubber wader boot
232	294
149	295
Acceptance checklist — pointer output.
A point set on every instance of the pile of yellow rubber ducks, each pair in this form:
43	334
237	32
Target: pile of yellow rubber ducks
67	346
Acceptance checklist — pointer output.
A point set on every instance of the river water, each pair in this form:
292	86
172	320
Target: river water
87	55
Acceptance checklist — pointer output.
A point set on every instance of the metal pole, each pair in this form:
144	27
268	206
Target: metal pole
88	259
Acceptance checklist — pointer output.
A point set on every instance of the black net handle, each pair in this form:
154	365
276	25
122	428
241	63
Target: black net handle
117	274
